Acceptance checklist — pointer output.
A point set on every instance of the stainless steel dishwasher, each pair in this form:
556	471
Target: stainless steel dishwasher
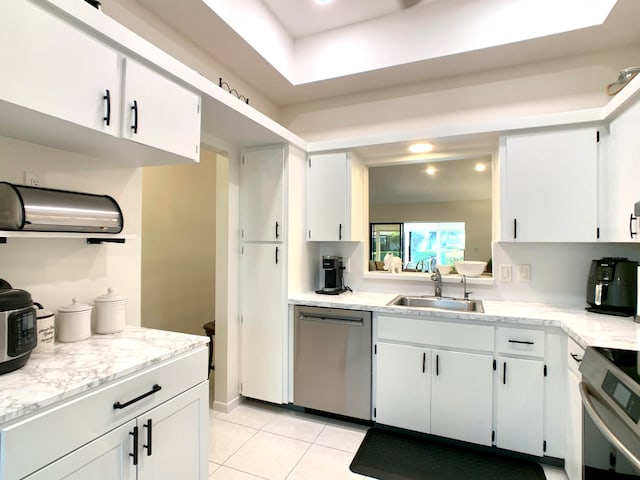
332	361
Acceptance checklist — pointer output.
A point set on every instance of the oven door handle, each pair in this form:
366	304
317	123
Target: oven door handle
602	426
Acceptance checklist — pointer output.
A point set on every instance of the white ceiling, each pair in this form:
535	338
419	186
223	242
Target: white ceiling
225	41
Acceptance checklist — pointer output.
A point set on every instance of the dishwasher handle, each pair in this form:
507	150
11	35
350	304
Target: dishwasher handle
354	322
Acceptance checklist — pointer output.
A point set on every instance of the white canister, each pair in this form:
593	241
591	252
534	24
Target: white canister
45	328
73	322
110	312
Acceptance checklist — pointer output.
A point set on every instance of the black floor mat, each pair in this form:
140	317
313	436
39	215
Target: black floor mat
389	455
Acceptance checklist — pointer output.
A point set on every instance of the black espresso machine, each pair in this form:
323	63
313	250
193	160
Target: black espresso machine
612	287
333	278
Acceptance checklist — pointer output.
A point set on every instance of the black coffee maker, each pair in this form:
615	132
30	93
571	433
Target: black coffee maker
612	286
333	279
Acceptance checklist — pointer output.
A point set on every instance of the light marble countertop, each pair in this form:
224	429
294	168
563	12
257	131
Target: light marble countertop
588	329
72	368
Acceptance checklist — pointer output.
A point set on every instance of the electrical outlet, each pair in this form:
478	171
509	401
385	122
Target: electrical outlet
31	179
348	266
524	273
505	273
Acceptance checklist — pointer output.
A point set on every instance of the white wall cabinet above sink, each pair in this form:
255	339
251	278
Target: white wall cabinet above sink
549	186
62	87
336	200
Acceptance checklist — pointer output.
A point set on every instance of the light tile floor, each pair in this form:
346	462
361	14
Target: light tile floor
261	441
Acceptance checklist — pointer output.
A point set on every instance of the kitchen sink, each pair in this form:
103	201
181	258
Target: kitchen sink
444	303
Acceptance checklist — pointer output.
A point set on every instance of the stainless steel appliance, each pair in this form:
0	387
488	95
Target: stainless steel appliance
48	210
610	391
333	279
18	333
332	361
612	286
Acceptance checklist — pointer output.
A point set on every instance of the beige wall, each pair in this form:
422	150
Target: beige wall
476	215
178	245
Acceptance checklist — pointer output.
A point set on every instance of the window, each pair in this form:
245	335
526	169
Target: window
385	238
425	240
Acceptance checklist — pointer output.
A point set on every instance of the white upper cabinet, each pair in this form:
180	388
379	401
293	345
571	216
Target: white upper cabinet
549	186
619	178
262	195
335	198
63	87
160	113
52	68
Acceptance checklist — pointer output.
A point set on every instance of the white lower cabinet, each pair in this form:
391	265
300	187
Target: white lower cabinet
403	389
152	425
430	388
461	396
105	458
573	421
519	412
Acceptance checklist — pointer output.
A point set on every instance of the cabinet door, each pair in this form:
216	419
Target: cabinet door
262	195
549	187
620	172
49	66
519	408
160	113
327	197
403	386
174	438
106	458
263	314
462	396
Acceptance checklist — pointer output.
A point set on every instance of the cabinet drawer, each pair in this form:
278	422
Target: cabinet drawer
32	443
460	336
519	341
574	356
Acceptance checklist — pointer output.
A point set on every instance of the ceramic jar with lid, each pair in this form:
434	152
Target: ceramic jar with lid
73	322
110	312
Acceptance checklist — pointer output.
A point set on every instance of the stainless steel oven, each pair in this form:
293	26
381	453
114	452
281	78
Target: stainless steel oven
610	391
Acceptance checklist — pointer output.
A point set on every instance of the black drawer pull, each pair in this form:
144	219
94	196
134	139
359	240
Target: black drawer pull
154	389
576	357
522	342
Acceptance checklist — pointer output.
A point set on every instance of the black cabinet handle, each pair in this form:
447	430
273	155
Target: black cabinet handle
135	445
504	373
134	107
515	228
437	365
631	232
576	357
277	233
154	389
107	98
277	249
424	362
522	342
340	232
148	426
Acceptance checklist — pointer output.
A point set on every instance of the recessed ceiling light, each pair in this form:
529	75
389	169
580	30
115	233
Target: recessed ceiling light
430	171
323	2
420	147
480	167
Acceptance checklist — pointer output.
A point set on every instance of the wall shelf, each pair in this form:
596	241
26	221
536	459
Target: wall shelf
91	238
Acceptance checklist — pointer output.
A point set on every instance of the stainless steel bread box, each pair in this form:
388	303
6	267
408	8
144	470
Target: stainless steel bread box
47	210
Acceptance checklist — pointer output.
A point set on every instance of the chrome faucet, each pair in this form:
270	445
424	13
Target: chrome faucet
464	287
437	278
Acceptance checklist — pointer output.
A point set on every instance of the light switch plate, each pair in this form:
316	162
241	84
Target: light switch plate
524	273
505	273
